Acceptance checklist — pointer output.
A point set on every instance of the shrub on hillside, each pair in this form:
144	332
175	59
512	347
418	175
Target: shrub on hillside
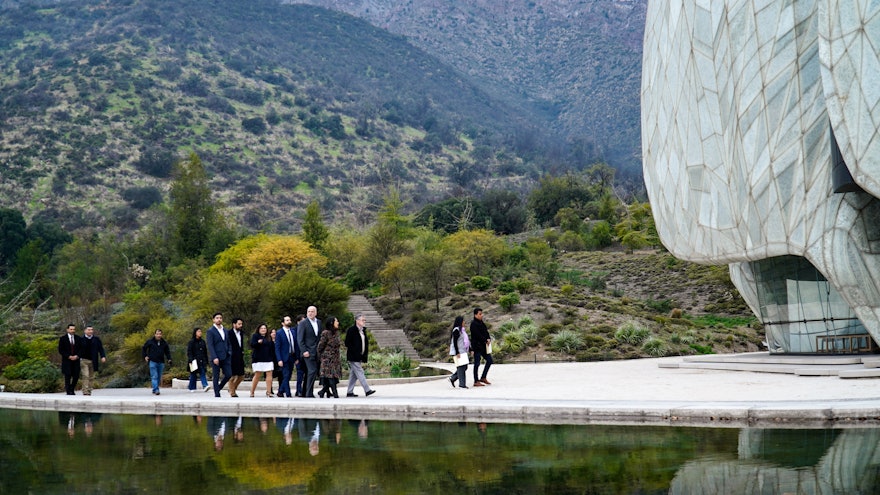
631	333
480	282
43	373
655	347
508	301
567	341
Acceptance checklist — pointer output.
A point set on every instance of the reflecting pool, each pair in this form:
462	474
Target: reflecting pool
51	452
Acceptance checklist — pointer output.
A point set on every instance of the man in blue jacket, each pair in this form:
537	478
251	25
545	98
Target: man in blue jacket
219	352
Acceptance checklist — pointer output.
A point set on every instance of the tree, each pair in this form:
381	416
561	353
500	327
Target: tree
13	232
296	291
192	208
89	270
314	231
555	193
475	251
240	294
506	211
433	270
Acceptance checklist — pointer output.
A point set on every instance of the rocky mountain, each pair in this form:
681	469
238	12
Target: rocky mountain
577	64
283	103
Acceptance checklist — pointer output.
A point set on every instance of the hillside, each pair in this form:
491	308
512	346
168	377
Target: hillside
579	316
283	103
577	64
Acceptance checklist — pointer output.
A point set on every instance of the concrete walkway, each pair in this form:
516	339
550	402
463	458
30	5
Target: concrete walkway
643	391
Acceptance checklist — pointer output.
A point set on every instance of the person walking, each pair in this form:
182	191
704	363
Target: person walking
285	353
308	334
357	348
92	355
155	352
219	353
197	350
331	361
236	356
480	343
70	347
458	349
262	358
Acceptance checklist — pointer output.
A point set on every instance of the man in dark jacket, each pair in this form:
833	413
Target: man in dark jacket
356	350
480	340
236	356
92	354
69	346
155	352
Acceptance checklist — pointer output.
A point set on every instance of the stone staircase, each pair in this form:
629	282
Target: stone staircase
386	337
842	366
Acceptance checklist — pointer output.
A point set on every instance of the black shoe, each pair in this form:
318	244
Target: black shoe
371	392
352	395
215	395
463	386
452	381
321	393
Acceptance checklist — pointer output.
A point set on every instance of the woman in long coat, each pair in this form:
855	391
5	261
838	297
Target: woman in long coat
197	350
331	361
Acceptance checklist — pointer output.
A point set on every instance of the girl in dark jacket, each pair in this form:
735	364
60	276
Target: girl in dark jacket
197	350
262	358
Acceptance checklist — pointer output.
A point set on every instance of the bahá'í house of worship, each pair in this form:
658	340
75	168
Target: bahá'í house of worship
761	149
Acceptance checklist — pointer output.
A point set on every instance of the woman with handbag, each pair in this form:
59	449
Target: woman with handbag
262	358
458	349
197	359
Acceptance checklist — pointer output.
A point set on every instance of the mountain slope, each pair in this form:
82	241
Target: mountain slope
577	63
284	103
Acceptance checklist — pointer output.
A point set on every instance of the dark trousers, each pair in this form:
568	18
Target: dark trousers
300	376
71	378
461	372
226	366
489	361
284	386
311	374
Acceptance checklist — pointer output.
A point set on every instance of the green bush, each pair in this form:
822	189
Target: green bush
523	285
39	369
508	301
460	289
480	282
654	347
506	287
525	320
631	333
566	289
567	341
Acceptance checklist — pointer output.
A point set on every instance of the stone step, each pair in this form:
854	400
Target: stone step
386	336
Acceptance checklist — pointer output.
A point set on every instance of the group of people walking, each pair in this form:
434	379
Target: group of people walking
308	350
479	342
80	356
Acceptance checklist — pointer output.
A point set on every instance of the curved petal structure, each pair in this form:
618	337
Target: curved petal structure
747	107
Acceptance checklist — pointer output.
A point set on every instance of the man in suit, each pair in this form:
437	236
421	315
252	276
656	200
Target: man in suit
236	352
219	352
92	355
286	353
307	335
69	346
357	347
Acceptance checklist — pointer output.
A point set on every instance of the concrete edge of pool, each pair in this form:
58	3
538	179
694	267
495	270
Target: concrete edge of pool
637	392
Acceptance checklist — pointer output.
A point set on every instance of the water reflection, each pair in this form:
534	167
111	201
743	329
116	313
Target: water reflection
44	452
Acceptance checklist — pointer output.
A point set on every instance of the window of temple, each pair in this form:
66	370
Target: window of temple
803	313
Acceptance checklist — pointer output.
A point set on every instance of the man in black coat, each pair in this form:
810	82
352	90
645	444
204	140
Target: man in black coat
69	346
357	346
92	355
480	340
236	357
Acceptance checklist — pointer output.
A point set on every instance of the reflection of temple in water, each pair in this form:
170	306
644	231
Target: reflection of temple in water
778	462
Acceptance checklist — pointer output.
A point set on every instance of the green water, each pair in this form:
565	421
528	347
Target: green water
50	452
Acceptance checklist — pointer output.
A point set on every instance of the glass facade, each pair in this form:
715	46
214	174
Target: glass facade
802	312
